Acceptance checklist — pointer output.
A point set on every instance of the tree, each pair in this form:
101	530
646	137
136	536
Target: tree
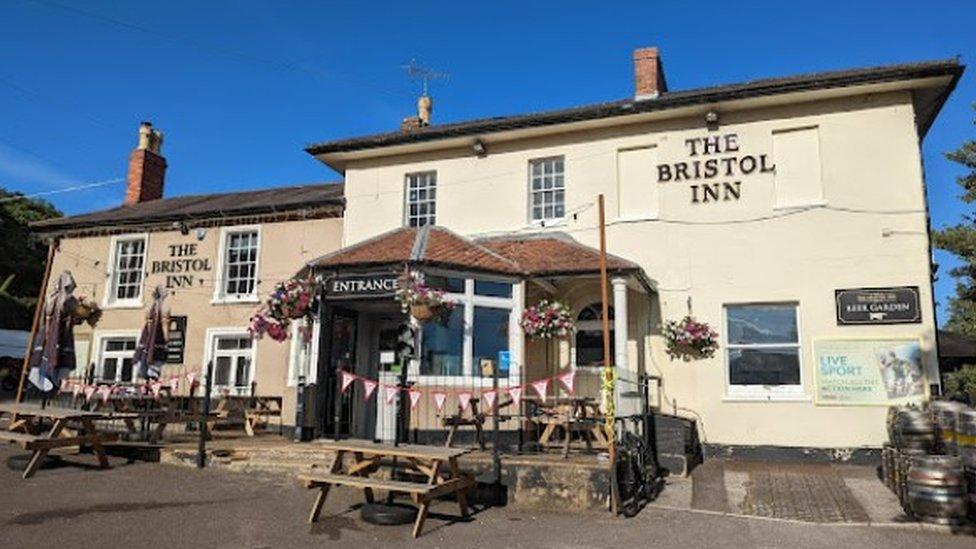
22	257
960	240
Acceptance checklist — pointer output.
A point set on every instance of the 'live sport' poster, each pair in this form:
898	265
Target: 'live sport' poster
865	372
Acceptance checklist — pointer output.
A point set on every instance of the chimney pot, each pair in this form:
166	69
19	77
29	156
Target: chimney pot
147	167
649	79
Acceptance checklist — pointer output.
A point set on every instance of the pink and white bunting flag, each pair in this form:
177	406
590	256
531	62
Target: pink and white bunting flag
415	395
440	398
104	391
347	380
76	389
540	387
156	387
391	392
90	392
489	397
516	394
568	380
464	400
174	383
191	379
369	387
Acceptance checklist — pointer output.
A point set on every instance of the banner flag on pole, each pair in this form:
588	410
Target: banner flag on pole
368	387
415	395
489	397
516	394
540	387
391	392
440	398
567	380
464	400
347	380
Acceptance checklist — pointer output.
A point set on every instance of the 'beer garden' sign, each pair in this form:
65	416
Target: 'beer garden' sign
878	306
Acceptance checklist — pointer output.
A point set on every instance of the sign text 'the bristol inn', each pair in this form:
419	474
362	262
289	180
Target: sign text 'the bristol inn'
714	157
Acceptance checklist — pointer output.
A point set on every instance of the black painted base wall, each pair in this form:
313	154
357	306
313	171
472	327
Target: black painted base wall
851	456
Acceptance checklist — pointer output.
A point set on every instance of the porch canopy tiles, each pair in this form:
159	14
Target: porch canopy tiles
543	259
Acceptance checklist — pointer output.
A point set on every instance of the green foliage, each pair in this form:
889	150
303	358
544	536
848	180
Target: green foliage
960	240
962	380
22	258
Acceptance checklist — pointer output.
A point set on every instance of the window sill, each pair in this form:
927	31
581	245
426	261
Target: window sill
234	300
123	305
767	398
458	381
547	223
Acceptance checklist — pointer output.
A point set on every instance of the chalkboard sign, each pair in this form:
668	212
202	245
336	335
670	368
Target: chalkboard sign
898	305
176	342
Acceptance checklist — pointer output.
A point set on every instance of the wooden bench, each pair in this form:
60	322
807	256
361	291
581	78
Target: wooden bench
82	431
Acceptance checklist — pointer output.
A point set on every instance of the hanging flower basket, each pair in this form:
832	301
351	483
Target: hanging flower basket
689	339
86	311
290	300
421	301
547	320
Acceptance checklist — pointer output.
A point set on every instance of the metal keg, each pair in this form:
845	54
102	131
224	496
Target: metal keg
970	475
937	489
945	414
966	438
887	460
914	429
902	464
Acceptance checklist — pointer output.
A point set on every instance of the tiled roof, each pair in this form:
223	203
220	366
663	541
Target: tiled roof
928	108
203	206
436	246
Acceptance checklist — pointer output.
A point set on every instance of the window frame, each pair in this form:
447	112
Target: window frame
100	340
469	300
763	392
210	342
592	325
431	218
110	299
531	193
220	291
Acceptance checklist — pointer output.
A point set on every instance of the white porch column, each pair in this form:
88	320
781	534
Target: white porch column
620	324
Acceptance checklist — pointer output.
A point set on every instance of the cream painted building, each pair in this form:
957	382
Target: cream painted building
218	256
789	214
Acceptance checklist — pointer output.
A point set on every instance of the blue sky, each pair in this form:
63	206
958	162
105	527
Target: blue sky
240	87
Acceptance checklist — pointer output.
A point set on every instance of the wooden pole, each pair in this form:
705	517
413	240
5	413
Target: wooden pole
37	318
608	373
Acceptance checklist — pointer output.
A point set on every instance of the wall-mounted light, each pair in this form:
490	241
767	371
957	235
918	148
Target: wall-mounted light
711	120
201	233
479	148
184	229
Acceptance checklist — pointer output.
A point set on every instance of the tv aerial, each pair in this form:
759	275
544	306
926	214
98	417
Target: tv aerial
415	71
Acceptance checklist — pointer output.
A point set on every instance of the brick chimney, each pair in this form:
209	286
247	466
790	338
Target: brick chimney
147	167
648	74
425	105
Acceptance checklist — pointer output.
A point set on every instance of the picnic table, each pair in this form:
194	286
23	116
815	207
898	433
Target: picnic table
368	457
572	413
254	411
28	431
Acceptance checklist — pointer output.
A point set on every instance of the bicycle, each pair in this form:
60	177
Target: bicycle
635	473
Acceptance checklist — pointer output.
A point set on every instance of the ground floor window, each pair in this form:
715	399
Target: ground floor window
233	360
474	339
115	360
763	349
589	335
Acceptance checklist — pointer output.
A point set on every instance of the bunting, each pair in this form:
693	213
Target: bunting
369	386
391	392
516	394
464	400
489	398
568	381
347	380
415	395
440	398
541	386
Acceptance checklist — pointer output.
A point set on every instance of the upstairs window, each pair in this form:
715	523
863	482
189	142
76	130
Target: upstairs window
239	272
421	204
128	261
547	189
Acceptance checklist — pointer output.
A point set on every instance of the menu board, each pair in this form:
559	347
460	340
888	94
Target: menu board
176	340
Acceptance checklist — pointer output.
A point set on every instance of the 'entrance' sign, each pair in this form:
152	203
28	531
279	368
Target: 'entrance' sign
878	306
358	286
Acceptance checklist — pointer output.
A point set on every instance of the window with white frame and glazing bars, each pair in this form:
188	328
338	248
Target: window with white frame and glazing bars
130	257
547	189
232	355
763	350
115	360
421	205
240	264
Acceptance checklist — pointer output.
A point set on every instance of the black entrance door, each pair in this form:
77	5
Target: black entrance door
339	346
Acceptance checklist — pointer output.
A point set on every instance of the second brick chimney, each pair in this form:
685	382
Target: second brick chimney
147	167
648	74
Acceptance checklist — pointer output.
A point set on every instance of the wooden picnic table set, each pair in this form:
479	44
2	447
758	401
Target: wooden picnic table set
431	472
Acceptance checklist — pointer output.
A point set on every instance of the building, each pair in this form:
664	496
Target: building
788	214
218	255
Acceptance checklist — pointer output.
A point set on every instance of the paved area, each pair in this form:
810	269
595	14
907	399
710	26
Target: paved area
824	493
155	505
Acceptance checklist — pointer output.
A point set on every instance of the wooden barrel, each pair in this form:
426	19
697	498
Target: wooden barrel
945	415
966	438
937	489
914	429
970	475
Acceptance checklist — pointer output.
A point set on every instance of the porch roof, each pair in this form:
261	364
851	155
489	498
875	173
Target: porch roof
524	256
